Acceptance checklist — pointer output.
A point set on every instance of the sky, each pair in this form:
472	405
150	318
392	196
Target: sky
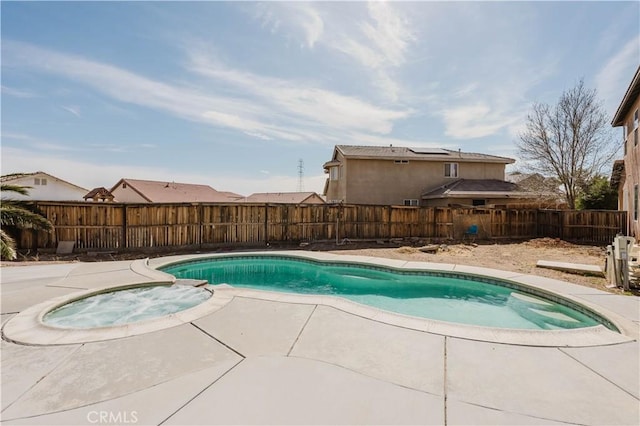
253	96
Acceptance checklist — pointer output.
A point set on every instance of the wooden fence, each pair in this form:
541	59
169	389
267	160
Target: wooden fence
131	227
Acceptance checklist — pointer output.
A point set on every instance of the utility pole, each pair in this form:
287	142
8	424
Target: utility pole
300	175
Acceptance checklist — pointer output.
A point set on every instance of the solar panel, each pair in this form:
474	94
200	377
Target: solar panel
437	151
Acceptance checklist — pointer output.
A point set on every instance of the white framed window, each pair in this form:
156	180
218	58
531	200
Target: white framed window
39	181
451	170
635	119
334	173
411	202
43	181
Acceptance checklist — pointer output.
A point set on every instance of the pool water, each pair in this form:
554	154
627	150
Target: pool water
126	306
434	295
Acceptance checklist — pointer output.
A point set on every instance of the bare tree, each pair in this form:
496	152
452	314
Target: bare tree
571	141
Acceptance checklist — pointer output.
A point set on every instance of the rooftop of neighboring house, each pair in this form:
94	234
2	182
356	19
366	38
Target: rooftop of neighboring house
99	193
175	192
15	176
463	187
419	154
630	96
283	197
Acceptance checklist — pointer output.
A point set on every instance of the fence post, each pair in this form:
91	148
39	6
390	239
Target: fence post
266	224
199	212
124	242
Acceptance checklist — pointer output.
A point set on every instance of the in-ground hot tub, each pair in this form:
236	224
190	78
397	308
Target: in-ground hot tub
126	306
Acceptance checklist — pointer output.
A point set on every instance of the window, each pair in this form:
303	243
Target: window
334	173
635	202
39	181
401	161
451	170
124	186
635	137
635	119
479	202
411	202
624	138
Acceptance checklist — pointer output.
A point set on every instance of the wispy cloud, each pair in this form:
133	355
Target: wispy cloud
72	109
18	93
475	121
377	41
303	100
285	110
614	77
299	18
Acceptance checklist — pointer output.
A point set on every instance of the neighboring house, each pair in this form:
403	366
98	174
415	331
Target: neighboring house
419	176
44	187
284	198
101	194
150	191
626	173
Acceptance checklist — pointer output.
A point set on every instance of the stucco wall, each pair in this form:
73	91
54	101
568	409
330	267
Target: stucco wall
127	195
631	170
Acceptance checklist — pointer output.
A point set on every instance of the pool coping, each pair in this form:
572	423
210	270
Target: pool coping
28	328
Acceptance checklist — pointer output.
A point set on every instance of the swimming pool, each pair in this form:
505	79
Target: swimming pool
437	295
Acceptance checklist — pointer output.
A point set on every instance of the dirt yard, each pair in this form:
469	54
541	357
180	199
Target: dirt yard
510	256
519	257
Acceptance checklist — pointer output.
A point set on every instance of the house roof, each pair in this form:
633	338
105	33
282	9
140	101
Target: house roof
100	192
15	176
173	192
617	173
630	96
282	197
419	154
478	187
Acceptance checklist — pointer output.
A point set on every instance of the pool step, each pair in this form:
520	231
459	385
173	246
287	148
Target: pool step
540	312
191	282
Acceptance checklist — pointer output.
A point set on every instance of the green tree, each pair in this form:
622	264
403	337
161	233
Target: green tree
571	140
598	195
18	214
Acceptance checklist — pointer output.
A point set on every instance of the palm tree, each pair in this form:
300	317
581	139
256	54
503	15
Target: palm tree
19	214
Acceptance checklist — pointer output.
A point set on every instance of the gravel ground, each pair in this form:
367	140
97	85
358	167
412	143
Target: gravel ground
510	256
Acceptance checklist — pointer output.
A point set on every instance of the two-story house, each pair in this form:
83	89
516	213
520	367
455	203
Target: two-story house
393	175
626	173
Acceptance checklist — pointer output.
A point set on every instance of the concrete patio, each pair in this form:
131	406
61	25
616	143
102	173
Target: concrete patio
271	359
